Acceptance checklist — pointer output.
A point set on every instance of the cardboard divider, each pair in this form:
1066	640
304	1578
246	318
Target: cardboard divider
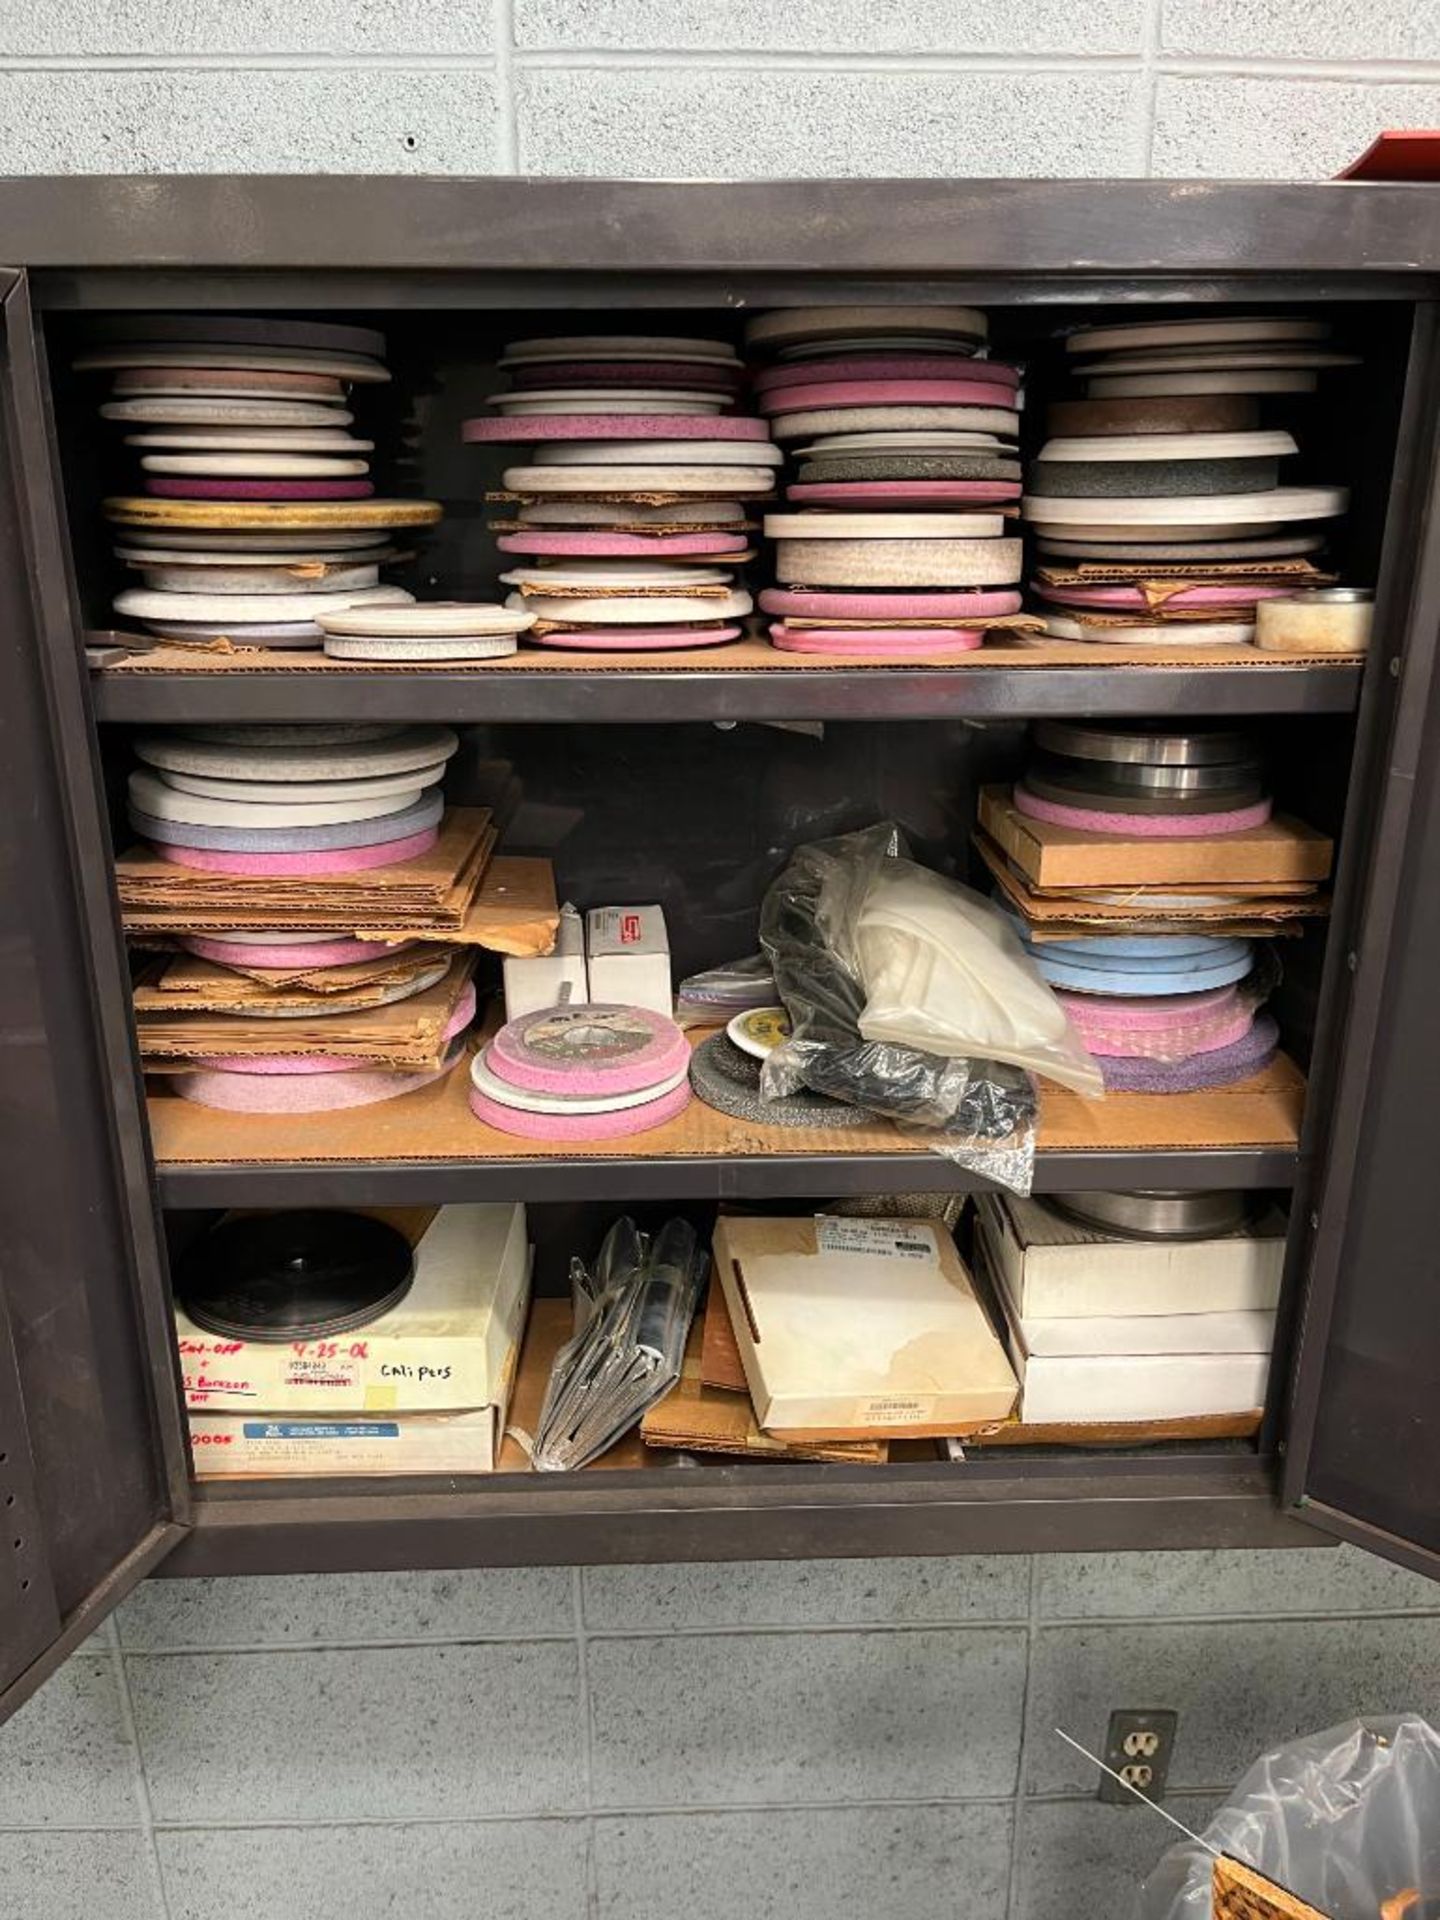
435	1123
736	656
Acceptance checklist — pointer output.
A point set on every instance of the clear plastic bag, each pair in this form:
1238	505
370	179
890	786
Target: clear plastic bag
979	1113
1348	1820
719	992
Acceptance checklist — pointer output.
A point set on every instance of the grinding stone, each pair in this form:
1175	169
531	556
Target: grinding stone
281	865
606	375
1168	446
899	563
896	494
620	545
885	366
636	639
227	413
1259	509
1177	633
617	576
748	482
191	489
879	342
281	579
1238	331
255	516
911	466
616	426
141	603
358	368
297	634
428	619
235	330
295	752
284	955
1222	1068
319	1092
912	441
524	1100
894	419
1217	360
1176	414
220	386
1270	547
885	393
1140	479
729	1081
1140	977
286	792
660	454
600	1126
801	604
865	526
1150	826
454	647
1149	386
542	404
180	439
880	643
158	800
386	831
594	1049
621	514
257	466
792	325
674	346
281	546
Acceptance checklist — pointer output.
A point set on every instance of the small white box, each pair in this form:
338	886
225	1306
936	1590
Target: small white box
629	958
538	982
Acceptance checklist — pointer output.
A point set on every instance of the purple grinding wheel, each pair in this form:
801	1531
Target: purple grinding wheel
595	1049
339	860
1221	1068
1142	826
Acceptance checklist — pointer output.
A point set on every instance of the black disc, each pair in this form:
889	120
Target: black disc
233	330
303	1275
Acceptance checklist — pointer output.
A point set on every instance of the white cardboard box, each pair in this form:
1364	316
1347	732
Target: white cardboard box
444	1349
628	957
281	1445
539	981
1054	1269
851	1328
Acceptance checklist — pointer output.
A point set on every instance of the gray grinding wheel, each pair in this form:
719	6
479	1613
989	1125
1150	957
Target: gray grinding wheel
729	1080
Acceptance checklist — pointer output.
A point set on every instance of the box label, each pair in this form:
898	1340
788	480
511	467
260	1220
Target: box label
885	1239
315	1430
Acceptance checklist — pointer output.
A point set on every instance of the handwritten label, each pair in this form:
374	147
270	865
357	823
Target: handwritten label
882	1239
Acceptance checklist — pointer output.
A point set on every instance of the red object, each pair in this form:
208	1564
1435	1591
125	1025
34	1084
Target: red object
1413	154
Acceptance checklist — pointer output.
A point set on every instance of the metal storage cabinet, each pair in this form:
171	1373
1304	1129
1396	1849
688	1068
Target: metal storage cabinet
94	1484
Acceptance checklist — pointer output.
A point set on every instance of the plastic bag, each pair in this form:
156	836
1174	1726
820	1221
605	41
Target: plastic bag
1347	1820
981	1113
944	970
719	992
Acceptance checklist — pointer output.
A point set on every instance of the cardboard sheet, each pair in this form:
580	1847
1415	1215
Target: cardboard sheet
1283	850
737	656
435	1123
1116	1433
720	1363
188	984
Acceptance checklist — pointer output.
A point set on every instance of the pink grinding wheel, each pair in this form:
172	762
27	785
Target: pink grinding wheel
869	367
633	639
1142	826
884	393
389	853
340	952
1121	1044
813	603
665	374
302	1092
901	493
597	1049
260	489
1132	598
292	1063
622	545
616	426
580	1126
893	643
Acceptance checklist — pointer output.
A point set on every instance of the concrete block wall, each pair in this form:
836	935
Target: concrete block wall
833	1740
711	88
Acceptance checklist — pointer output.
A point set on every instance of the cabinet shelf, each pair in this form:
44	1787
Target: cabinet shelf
699	692
427	1147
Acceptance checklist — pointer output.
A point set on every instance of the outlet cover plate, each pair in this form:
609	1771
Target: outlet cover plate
1126	1722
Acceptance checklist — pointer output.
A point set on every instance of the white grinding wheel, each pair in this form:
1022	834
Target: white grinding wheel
894	564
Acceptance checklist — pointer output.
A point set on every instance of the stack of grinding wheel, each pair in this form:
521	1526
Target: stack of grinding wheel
582	1073
1158	500
907	438
257	513
295	802
629	517
1162	1013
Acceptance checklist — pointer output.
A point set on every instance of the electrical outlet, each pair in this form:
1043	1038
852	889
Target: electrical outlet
1138	1746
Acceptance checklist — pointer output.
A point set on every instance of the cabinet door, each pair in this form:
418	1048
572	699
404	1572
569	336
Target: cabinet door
93	1481
1363	1457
